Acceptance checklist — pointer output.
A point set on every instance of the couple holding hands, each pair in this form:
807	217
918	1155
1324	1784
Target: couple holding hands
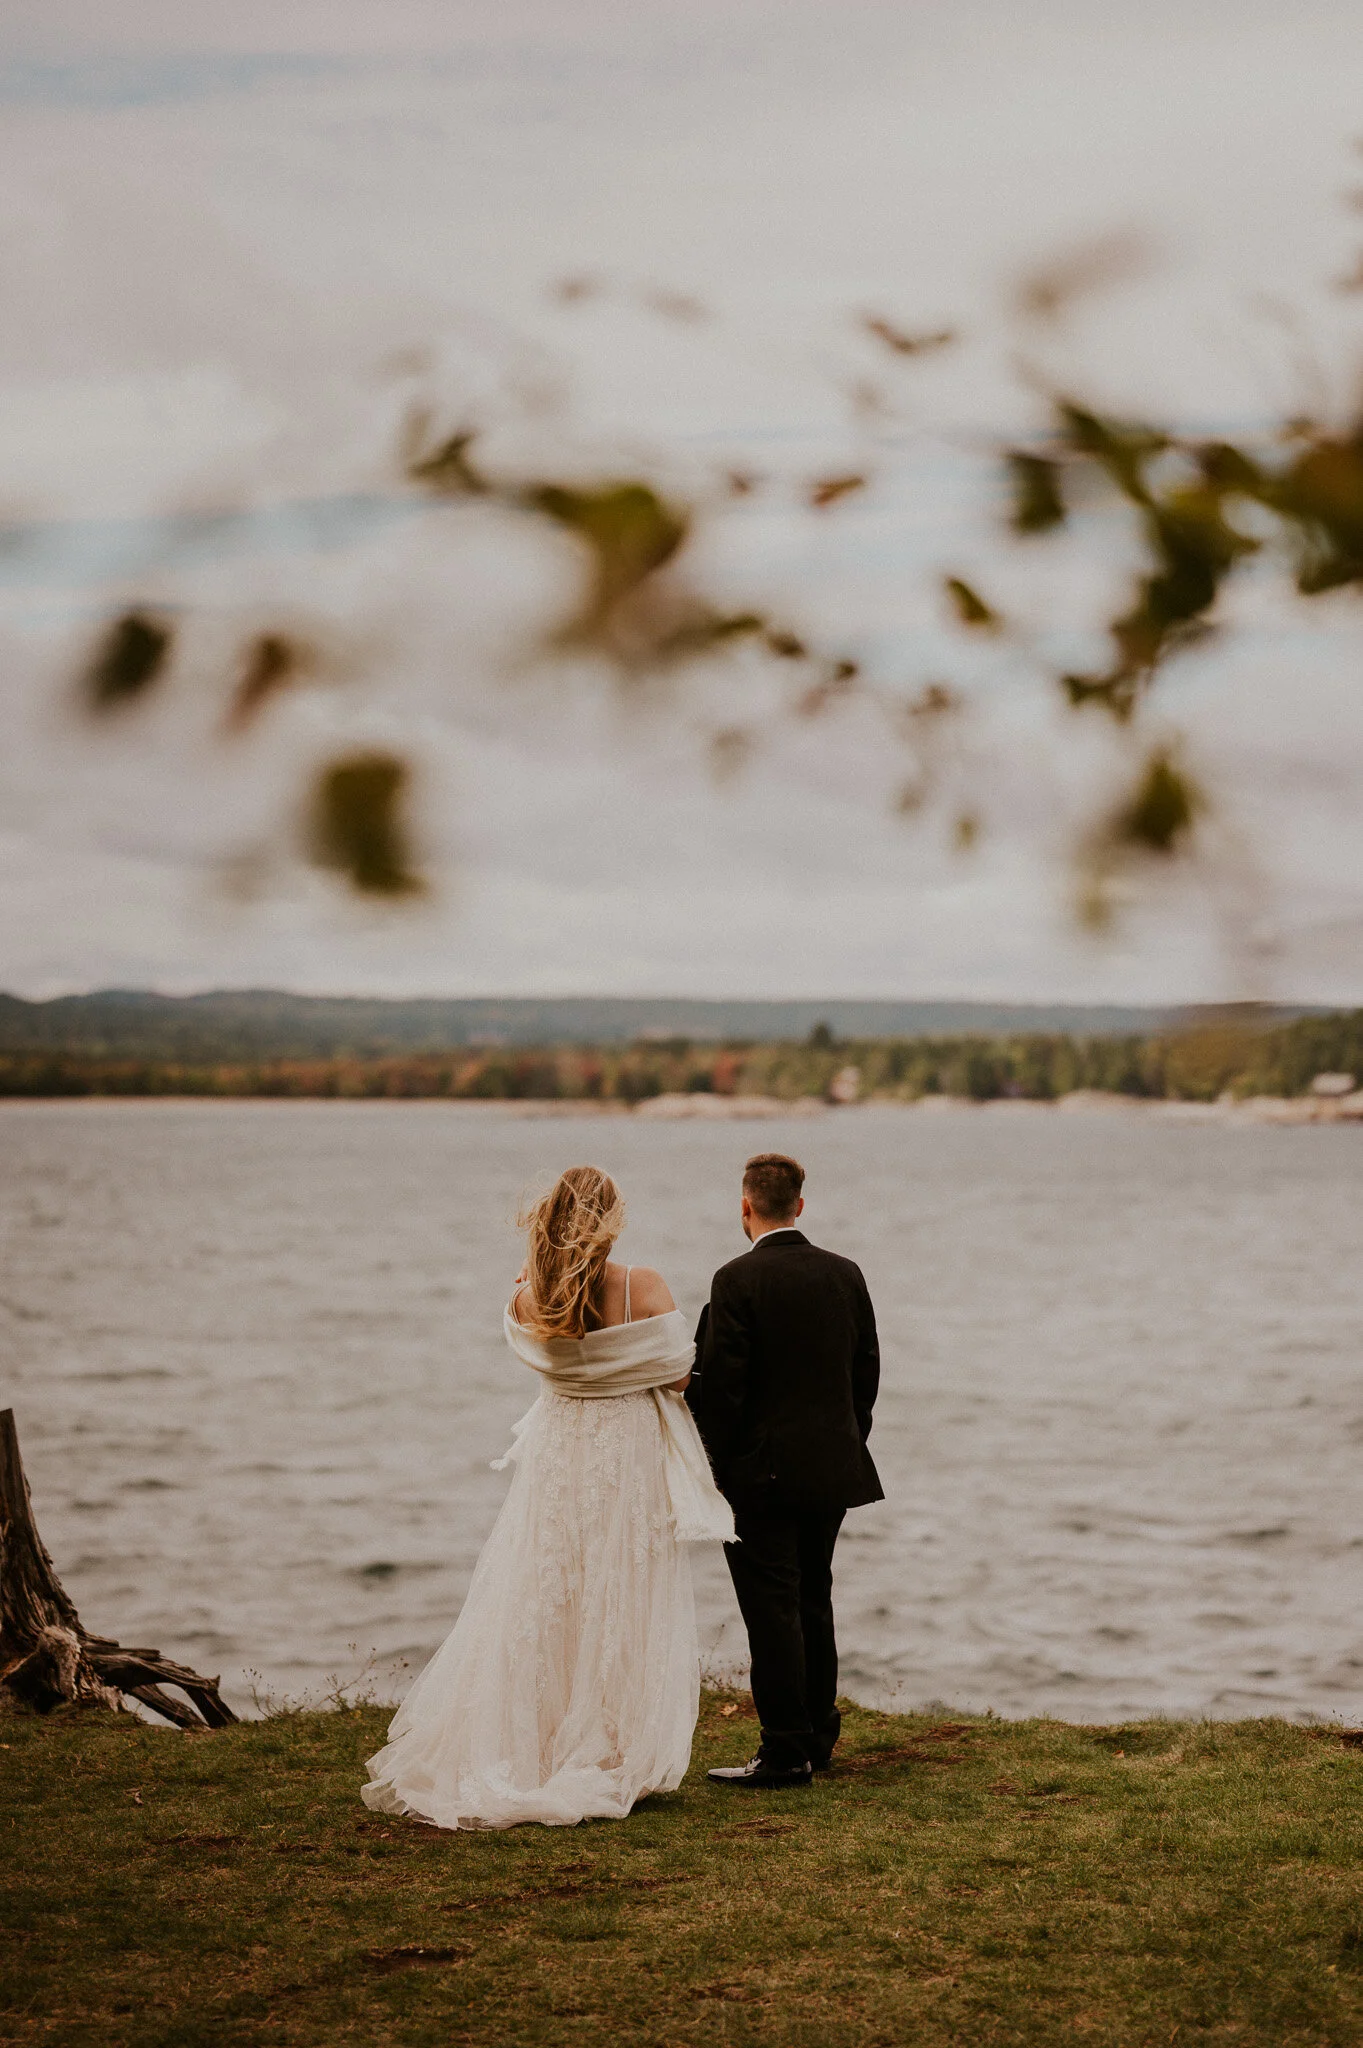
570	1685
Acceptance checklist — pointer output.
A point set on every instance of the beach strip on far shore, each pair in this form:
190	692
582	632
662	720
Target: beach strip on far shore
709	1108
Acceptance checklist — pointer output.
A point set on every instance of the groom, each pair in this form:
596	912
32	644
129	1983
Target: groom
787	1367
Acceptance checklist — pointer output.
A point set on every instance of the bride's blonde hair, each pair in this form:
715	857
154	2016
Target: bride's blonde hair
570	1233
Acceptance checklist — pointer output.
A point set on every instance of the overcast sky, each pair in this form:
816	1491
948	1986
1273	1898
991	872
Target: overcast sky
237	244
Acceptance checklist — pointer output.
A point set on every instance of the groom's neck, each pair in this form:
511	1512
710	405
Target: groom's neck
762	1228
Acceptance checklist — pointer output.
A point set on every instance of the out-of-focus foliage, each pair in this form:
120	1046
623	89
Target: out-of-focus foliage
903	343
1037	503
1320	494
1161	811
358	827
827	490
839	682
970	608
270	662
132	655
926	723
1187	494
1192	542
1155	818
1198	510
448	468
629	530
1048	290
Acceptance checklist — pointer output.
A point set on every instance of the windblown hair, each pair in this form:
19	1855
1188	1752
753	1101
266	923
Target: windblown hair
570	1232
772	1183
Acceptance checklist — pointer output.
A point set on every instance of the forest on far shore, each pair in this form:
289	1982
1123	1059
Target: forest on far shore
1195	1065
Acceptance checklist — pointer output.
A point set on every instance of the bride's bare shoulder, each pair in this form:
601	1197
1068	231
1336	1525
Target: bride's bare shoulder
649	1293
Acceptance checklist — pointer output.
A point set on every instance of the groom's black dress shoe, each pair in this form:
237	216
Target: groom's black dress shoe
761	1775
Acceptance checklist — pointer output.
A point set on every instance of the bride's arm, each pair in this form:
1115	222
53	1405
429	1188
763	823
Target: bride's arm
651	1296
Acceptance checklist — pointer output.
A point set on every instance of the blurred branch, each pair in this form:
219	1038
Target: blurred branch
1200	509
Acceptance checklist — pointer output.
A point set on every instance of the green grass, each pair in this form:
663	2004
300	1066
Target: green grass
983	1881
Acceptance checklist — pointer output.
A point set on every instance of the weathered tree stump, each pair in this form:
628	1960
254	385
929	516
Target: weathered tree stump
46	1658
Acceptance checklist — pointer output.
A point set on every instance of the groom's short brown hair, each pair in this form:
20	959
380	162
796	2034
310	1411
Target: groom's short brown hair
772	1183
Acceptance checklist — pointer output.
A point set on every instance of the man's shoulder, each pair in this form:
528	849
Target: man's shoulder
849	1268
751	1265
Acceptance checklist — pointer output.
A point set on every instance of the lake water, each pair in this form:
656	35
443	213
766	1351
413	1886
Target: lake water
256	1358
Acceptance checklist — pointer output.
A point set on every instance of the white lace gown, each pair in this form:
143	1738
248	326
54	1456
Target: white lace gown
570	1684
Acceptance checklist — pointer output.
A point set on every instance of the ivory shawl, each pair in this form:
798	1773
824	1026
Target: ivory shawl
633	1358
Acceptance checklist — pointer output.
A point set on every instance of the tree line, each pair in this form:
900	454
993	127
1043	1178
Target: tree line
1195	1065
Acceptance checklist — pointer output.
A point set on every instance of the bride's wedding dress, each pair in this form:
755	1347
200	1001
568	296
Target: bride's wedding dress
570	1685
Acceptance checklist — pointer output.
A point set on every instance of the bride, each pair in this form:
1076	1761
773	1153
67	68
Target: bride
570	1685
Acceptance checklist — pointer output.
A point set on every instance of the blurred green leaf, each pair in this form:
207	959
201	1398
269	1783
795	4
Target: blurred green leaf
630	530
1121	450
1321	493
904	343
702	633
270	663
448	469
131	657
358	826
1037	503
827	490
1114	692
970	607
1161	810
1228	469
1195	547
841	681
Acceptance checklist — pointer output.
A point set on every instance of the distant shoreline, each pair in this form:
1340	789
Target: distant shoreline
1252	1066
1257	1111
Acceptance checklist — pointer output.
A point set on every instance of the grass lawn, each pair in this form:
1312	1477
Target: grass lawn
974	1881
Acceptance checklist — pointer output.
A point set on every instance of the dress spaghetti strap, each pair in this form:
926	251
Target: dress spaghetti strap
628	1271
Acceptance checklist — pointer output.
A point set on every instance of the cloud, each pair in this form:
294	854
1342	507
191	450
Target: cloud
121	80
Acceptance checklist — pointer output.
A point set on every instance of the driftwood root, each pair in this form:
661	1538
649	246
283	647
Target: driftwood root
46	1658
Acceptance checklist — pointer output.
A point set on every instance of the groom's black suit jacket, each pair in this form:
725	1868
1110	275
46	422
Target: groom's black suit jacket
787	1367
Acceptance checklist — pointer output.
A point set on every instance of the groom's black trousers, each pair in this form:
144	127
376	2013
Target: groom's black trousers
782	1569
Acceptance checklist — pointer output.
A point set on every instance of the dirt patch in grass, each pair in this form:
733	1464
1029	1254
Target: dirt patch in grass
761	1829
411	1957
